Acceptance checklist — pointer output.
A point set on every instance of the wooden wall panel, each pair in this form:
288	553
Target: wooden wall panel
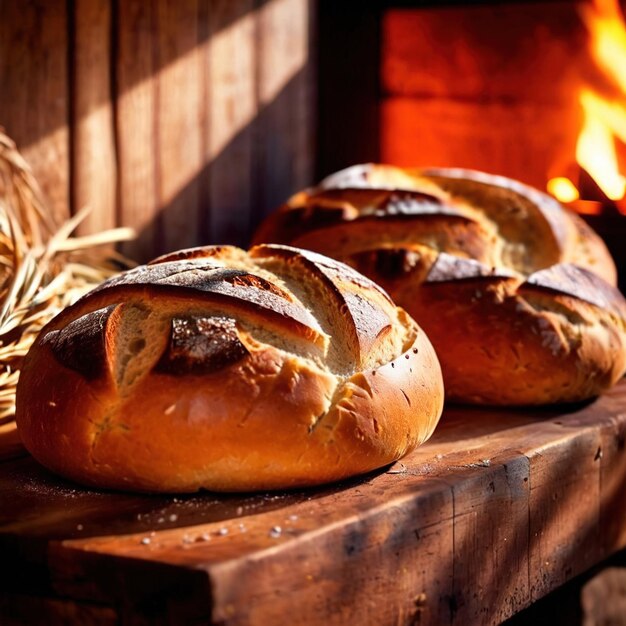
34	106
349	92
284	78
186	120
230	109
135	123
178	123
94	169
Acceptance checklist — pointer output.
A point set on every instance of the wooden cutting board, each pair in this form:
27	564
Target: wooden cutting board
498	509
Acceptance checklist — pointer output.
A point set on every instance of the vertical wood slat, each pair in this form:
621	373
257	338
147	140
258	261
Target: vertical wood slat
284	75
561	547
230	112
135	115
490	542
94	170
33	91
177	121
305	107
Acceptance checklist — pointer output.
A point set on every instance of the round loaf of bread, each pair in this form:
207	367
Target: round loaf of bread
220	369
516	293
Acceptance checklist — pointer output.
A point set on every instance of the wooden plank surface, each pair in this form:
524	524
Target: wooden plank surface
34	91
499	508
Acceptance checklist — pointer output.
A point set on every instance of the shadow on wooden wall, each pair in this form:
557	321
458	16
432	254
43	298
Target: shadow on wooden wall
255	171
187	120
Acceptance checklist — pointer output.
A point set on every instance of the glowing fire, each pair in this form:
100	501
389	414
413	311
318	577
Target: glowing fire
563	189
595	150
604	120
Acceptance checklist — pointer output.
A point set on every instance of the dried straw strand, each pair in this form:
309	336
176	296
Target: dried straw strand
43	268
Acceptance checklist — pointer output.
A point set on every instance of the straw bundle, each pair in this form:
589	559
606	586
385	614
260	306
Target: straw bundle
42	268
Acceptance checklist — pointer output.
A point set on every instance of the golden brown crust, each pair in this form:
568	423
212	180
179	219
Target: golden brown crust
516	292
527	345
191	392
548	232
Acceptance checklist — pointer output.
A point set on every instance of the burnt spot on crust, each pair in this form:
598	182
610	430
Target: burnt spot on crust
201	345
572	280
80	346
448	268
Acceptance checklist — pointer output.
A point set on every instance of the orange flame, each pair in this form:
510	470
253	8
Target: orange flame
563	189
595	150
605	23
604	120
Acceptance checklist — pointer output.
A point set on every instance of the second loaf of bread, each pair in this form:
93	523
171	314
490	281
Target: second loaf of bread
516	293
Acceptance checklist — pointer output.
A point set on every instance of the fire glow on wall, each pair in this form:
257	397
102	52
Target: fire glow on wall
535	91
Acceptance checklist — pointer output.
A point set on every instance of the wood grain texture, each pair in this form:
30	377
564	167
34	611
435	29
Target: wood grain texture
178	117
285	121
498	509
135	105
230	109
94	168
612	457
563	479
489	503
187	121
34	94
